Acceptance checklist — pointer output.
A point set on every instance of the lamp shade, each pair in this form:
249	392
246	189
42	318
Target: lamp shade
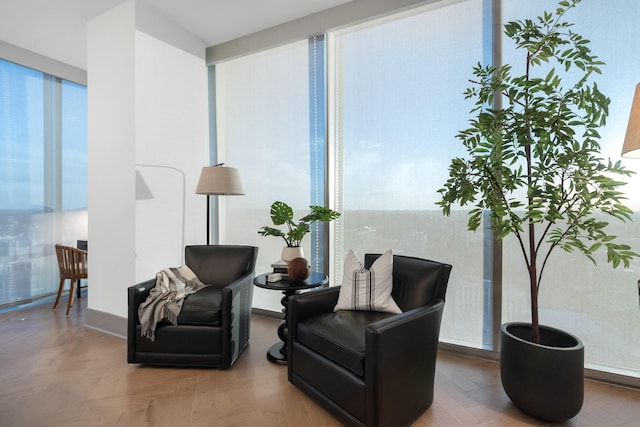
219	180
631	147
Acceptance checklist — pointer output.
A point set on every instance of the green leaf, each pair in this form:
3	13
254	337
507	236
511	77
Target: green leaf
281	213
533	161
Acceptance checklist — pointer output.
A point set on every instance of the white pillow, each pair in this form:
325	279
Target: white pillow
367	290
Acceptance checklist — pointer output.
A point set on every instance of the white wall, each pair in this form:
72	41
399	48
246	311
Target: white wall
171	130
111	157
147	105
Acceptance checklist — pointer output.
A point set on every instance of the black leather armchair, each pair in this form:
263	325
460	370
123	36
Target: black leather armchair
371	368
213	326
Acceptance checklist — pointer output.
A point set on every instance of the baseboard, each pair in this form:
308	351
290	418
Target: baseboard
469	351
106	322
612	377
267	313
116	325
589	374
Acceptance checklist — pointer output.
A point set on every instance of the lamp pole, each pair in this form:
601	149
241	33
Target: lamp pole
218	180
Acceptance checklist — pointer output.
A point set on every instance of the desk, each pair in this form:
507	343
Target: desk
278	352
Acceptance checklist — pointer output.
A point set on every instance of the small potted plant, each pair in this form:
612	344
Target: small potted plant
534	164
282	214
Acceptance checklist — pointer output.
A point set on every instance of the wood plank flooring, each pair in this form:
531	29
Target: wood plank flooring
56	372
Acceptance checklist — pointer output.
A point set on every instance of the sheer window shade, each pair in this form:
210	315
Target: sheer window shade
269	121
397	99
43	193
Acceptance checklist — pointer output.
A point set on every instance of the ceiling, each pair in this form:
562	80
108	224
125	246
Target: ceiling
57	28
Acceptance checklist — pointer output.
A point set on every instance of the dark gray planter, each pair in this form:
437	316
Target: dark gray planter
544	380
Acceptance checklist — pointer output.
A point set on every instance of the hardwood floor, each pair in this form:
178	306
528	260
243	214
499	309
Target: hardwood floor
56	372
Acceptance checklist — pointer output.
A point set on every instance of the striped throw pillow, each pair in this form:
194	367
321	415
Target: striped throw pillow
367	290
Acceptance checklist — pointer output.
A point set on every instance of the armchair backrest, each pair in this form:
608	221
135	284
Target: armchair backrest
416	281
72	262
220	265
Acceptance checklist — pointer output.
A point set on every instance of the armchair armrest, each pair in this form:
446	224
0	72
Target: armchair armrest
237	300
136	295
401	357
309	304
235	287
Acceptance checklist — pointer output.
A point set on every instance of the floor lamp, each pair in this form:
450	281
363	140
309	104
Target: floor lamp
218	180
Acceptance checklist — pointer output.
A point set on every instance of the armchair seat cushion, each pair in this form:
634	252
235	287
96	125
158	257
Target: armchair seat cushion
202	308
339	336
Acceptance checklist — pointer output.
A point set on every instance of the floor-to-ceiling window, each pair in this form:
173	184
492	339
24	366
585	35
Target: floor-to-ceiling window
270	125
43	178
395	105
596	302
397	98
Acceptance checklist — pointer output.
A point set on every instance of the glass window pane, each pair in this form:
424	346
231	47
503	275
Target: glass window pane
262	120
31	221
21	177
74	163
74	145
399	103
595	302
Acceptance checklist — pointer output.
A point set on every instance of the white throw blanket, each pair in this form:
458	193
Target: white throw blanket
165	299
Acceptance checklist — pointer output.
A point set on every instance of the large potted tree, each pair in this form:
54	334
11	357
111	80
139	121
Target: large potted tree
533	162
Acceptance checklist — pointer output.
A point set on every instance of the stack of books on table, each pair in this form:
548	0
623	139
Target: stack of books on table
280	267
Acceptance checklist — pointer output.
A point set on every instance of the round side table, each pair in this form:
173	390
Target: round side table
278	352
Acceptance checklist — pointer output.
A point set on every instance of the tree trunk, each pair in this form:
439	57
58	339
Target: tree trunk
533	283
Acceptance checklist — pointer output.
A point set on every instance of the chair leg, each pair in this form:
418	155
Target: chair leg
55	304
72	295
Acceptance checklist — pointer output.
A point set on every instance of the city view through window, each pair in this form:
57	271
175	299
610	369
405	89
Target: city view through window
43	178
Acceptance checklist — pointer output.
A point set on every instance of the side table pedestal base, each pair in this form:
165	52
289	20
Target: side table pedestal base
275	355
278	352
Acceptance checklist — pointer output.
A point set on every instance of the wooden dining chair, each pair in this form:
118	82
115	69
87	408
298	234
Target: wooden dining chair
72	263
